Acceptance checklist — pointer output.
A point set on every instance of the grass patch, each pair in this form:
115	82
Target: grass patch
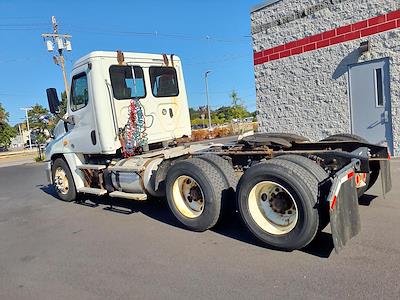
39	158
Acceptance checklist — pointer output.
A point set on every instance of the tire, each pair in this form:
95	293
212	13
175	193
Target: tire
343	137
209	185
58	167
375	169
374	166
315	169
228	204
292	179
224	167
320	175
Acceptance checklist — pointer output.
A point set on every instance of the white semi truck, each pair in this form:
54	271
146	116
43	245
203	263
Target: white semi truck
120	138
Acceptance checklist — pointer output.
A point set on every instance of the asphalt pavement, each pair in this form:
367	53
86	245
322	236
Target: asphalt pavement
50	249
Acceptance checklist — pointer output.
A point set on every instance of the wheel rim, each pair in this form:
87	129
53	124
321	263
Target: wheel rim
188	196
61	181
273	208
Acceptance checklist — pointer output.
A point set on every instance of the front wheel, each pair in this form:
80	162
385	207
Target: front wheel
63	181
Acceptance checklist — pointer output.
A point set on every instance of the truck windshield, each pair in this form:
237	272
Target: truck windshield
164	82
126	86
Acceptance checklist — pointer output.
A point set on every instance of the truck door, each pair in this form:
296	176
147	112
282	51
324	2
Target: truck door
82	136
164	88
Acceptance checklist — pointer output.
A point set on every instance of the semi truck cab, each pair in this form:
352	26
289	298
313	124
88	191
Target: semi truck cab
102	87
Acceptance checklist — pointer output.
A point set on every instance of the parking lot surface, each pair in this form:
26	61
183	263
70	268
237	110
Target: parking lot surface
50	249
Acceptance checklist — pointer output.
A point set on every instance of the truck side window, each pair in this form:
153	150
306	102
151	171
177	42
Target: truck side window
164	82
79	92
126	86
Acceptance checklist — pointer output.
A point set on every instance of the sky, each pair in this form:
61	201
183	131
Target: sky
206	34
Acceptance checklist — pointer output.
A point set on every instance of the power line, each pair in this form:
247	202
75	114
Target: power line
225	92
18	95
22	18
13	60
156	34
221	60
23	29
24	24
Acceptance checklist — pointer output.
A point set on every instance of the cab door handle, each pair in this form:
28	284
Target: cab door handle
71	120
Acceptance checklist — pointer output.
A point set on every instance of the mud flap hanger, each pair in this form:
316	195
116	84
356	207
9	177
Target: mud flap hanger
343	205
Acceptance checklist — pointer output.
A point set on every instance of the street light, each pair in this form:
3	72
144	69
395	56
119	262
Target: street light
26	109
208	100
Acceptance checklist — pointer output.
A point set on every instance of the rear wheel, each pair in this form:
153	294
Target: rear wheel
343	137
320	175
194	190
225	168
228	205
63	180
364	181
277	201
316	170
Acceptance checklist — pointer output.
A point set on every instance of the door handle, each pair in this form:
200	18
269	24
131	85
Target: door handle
386	116
71	120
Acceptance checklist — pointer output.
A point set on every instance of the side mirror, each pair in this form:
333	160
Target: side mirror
52	98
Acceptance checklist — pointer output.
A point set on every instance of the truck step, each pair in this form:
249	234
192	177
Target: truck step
91	167
118	194
93	191
126	169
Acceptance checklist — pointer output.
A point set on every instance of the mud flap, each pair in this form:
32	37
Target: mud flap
385	176
344	215
343	205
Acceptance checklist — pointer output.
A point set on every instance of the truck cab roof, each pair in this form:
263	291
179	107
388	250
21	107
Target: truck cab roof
129	57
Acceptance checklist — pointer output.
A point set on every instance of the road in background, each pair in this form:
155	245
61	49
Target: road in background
50	249
8	159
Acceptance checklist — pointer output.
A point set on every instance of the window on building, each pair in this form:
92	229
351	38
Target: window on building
79	92
126	86
379	87
164	82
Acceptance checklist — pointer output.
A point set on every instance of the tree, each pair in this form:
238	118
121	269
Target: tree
222	114
63	104
238	110
234	97
6	131
39	121
3	114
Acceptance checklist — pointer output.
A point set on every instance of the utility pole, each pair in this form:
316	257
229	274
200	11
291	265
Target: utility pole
62	42
26	109
208	100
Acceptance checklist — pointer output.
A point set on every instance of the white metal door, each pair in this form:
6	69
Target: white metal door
370	101
82	136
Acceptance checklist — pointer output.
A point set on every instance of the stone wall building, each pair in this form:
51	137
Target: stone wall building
329	66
